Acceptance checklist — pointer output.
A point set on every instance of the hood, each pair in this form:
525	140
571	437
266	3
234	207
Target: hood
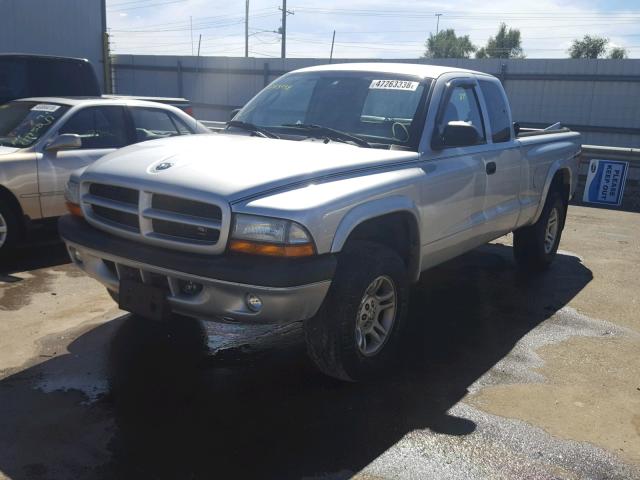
234	166
7	150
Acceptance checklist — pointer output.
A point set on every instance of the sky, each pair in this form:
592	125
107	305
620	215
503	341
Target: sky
364	28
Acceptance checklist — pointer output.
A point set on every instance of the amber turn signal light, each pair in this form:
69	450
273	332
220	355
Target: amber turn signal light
74	209
272	250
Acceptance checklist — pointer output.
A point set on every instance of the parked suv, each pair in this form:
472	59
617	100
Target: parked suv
42	140
24	76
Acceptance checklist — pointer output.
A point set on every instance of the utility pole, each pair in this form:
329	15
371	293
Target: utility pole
333	40
246	28
283	28
438	22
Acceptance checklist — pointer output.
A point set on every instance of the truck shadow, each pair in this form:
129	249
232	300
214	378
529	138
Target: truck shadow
262	411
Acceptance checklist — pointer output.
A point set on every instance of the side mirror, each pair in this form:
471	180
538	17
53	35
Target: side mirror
459	134
66	141
233	113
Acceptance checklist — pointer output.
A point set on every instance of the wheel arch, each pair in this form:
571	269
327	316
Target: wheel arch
560	176
393	222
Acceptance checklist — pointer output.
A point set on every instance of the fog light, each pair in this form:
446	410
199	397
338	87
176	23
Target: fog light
190	288
254	303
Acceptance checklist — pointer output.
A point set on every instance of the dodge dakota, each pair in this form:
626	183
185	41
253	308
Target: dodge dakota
321	202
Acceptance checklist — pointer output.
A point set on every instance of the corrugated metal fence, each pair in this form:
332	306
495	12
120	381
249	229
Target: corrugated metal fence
599	98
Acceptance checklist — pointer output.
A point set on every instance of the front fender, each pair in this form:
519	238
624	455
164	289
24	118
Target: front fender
372	209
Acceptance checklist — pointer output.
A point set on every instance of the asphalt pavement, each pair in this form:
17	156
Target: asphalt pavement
503	376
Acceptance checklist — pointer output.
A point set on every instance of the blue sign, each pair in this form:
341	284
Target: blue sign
605	182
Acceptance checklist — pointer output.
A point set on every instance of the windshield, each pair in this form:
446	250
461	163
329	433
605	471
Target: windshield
379	108
23	123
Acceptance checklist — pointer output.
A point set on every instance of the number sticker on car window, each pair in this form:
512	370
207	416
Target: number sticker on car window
45	107
393	85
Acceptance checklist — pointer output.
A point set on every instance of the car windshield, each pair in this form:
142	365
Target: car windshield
378	108
23	123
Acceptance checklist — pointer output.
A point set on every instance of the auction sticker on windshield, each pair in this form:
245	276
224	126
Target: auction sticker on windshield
393	85
45	107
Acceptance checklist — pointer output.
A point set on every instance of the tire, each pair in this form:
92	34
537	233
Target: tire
535	246
114	296
340	340
9	228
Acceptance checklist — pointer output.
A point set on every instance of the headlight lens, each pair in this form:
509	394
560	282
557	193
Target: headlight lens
260	229
270	236
271	230
72	192
72	197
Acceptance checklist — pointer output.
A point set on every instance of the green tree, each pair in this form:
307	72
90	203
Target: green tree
588	47
446	44
506	44
618	53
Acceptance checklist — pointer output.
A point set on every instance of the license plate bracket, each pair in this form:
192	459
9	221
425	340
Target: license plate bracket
145	300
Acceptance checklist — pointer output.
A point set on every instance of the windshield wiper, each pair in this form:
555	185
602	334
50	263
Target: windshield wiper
250	127
318	131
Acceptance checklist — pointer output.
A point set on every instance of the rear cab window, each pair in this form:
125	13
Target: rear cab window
497	109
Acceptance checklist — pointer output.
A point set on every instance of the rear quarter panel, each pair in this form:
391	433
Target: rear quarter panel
543	156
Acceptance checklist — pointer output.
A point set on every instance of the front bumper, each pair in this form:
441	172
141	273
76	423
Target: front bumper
290	289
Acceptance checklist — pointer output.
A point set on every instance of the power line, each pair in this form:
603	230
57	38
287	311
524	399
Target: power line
158	4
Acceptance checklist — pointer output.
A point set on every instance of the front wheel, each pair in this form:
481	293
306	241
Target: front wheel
357	331
9	228
535	246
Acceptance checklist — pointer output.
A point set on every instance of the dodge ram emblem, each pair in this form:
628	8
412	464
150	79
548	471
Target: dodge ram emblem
163	166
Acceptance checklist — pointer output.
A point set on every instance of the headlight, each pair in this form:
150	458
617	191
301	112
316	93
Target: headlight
72	197
270	236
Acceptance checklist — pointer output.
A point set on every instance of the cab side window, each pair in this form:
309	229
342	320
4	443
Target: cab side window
462	106
498	111
98	127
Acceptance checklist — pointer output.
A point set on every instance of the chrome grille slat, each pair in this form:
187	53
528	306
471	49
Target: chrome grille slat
194	224
112	204
181	218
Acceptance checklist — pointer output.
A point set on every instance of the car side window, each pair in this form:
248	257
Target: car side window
152	123
463	106
498	111
182	127
98	127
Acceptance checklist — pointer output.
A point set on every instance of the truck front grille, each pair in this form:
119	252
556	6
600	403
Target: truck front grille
157	218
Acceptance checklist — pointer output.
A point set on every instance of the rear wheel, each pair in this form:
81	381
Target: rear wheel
356	333
535	246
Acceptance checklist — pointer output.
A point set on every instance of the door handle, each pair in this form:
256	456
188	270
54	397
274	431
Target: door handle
491	168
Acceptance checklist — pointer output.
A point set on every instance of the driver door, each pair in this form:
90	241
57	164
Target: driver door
103	129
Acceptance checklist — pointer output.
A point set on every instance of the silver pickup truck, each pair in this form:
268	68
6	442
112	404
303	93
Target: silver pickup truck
321	202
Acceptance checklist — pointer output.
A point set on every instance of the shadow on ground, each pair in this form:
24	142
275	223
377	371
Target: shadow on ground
265	412
41	249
